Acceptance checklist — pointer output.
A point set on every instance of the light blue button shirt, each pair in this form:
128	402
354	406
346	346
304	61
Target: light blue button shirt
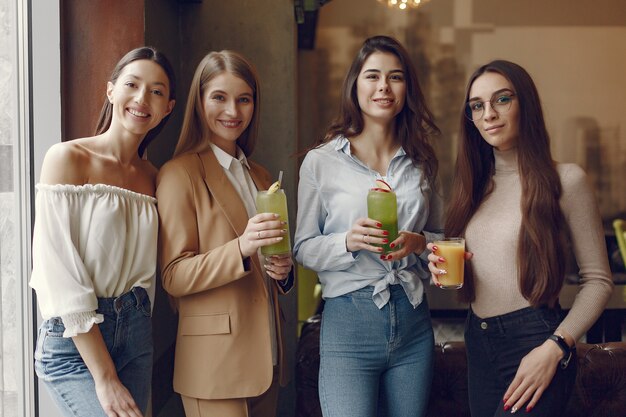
332	195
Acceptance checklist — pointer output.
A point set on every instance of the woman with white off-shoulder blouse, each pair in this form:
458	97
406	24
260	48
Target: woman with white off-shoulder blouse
94	248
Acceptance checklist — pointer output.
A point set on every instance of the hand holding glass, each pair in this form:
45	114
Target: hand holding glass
275	202
452	249
382	206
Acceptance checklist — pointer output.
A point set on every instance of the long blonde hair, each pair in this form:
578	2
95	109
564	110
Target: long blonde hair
194	133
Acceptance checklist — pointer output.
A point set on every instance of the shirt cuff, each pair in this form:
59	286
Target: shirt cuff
287	283
77	323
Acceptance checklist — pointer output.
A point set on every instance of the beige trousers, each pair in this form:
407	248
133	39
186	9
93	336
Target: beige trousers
262	406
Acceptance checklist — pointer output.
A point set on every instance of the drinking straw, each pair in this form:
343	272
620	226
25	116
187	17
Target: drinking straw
280	177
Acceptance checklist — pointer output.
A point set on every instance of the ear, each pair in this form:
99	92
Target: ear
170	107
110	87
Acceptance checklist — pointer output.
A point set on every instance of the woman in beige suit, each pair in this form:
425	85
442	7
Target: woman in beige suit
229	351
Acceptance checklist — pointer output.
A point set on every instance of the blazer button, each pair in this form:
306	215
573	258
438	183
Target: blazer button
483	325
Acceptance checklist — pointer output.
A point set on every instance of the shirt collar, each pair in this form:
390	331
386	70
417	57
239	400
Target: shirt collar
226	160
343	144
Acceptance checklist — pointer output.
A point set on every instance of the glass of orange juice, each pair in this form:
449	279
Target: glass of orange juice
452	249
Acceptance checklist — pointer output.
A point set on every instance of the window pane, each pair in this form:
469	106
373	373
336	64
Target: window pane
15	327
9	328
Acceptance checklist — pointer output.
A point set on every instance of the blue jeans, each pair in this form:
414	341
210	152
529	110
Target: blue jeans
127	332
495	348
375	362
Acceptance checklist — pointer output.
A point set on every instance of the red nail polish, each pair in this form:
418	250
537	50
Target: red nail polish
383	257
379	225
393	245
506	407
386	241
385	233
441	260
435	248
529	409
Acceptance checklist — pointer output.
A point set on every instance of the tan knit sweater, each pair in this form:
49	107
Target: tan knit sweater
492	235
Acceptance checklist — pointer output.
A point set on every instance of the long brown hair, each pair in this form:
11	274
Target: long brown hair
541	246
413	125
195	130
151	54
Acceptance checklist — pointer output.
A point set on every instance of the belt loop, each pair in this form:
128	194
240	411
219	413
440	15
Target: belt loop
137	295
500	325
117	304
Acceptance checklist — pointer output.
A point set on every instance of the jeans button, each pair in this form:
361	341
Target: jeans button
483	325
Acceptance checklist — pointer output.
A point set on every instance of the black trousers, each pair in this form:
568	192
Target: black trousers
495	348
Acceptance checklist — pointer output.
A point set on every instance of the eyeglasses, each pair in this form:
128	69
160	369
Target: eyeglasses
500	103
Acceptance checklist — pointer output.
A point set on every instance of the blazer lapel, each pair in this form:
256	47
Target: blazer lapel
260	183
228	198
223	192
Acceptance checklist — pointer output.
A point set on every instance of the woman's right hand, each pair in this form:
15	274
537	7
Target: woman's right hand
262	230
364	234
115	399
433	259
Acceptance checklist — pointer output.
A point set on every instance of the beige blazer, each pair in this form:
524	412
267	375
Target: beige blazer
223	347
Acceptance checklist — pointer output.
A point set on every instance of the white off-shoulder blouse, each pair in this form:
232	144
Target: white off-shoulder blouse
90	241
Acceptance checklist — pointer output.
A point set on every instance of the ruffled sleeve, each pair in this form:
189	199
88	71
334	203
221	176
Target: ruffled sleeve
90	241
61	280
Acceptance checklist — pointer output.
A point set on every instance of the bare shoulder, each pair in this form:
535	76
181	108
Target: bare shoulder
65	163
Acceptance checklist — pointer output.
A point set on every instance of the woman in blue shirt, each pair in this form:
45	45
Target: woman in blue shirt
377	341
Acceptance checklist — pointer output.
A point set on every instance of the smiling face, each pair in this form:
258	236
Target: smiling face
140	97
228	107
381	87
500	130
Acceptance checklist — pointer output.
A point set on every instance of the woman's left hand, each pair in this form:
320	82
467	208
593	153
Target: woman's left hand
278	266
534	374
409	242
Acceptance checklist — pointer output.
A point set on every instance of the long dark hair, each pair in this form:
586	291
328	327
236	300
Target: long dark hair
413	125
541	245
151	54
195	130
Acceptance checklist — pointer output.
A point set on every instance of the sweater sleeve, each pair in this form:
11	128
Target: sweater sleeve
587	236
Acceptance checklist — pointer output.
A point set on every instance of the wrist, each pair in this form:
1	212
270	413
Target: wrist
242	251
567	351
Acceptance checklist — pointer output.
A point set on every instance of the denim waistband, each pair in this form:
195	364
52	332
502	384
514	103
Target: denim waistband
395	290
513	319
133	298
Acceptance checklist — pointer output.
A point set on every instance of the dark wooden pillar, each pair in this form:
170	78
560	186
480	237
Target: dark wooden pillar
95	34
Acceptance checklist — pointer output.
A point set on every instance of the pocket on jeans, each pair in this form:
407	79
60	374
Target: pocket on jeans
551	318
50	339
534	329
146	307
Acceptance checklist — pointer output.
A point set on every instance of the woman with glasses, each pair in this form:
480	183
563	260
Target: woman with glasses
516	208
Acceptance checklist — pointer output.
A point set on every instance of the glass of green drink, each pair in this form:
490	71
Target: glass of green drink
274	202
383	207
